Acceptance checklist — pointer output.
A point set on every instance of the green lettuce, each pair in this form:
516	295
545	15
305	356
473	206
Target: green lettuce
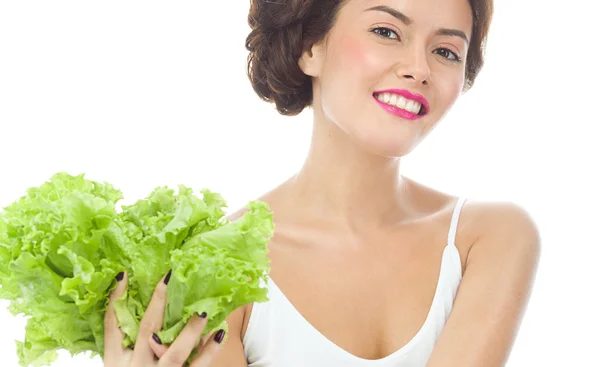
63	243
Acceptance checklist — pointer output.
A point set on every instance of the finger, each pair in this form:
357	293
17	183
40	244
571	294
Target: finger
113	336
157	346
203	341
151	323
211	348
185	342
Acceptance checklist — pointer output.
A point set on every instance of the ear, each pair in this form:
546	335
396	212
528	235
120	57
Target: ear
311	60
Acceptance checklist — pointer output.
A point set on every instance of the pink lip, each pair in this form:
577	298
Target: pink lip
400	112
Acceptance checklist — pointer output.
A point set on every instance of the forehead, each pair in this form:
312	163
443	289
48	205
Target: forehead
426	14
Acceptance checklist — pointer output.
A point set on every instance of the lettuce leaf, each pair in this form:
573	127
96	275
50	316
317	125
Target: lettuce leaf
63	243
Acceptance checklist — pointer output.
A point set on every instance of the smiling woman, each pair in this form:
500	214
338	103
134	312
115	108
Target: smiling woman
302	53
397	158
369	267
282	31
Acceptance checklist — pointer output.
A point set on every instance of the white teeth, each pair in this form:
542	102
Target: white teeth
416	107
400	102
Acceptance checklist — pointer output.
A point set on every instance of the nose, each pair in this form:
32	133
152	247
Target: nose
414	65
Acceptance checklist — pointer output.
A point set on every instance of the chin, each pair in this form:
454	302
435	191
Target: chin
386	141
389	148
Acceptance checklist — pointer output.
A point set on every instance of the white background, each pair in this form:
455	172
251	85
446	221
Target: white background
148	94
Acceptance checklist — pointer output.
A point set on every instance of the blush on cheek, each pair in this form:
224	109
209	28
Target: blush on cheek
356	54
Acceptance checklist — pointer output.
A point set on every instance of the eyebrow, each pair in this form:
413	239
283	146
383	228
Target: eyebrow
452	32
393	12
408	21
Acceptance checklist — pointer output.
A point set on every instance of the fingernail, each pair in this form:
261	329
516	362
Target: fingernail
120	276
168	277
219	336
156	338
202	315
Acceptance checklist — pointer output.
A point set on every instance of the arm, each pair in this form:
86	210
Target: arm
494	292
232	351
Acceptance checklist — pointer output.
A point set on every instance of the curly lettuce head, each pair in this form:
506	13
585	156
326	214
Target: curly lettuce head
63	243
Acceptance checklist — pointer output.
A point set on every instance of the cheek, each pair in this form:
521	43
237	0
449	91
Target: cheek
356	55
456	87
354	67
451	88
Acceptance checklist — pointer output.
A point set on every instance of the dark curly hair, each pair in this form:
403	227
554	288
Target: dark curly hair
282	29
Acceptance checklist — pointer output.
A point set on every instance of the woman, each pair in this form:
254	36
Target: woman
369	267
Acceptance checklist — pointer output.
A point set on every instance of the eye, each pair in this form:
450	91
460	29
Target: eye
449	55
385	32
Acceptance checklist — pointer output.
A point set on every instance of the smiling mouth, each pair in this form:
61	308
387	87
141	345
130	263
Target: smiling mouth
401	102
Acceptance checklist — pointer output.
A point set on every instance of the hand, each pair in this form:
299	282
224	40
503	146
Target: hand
148	344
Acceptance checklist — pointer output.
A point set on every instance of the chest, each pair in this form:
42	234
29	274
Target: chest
369	301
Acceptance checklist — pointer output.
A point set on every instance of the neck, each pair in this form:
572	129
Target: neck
346	184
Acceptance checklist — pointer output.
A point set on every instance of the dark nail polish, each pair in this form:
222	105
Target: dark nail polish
203	314
219	336
156	338
168	277
120	276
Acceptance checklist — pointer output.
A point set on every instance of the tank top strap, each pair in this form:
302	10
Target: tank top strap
454	222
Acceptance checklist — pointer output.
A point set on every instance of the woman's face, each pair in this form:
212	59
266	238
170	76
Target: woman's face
411	48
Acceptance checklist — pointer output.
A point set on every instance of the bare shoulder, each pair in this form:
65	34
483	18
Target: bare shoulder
487	229
496	227
502	223
484	219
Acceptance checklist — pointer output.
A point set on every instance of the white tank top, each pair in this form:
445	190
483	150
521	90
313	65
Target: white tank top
279	336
